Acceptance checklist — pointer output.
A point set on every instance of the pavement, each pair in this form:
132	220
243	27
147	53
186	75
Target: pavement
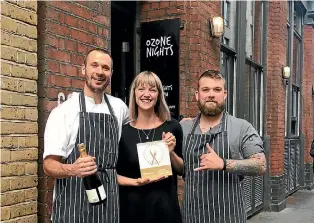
300	209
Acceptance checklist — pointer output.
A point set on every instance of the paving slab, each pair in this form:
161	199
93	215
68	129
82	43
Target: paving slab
300	209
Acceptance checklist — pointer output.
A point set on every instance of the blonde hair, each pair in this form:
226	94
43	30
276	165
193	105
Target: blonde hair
151	79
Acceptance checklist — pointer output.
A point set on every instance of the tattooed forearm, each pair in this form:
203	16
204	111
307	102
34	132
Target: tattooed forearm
253	166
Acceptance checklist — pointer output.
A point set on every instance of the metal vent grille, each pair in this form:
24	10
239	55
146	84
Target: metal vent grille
259	192
247	188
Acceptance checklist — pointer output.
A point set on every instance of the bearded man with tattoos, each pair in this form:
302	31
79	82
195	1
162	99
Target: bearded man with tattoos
219	149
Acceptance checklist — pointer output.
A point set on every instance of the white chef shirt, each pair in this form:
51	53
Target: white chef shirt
63	122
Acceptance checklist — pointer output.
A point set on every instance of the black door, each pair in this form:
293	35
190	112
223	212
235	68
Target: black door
122	47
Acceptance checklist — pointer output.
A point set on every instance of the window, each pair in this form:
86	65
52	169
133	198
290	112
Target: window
294	60
249	47
226	41
296	72
229	14
253	73
297	19
254	31
253	95
288	11
228	54
227	71
295	110
226	13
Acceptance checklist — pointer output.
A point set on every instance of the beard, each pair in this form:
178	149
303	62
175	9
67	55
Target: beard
101	88
210	110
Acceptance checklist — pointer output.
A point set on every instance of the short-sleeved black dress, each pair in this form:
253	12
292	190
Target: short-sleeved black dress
155	202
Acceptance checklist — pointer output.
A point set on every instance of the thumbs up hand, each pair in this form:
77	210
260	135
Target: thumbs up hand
210	160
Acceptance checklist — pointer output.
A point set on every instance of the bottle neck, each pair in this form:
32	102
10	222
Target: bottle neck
83	154
82	150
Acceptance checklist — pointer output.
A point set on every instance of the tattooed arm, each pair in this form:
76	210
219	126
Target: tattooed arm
254	165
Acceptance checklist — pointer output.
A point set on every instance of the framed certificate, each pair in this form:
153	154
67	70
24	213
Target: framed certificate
154	159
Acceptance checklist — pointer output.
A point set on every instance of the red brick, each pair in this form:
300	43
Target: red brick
164	4
98	41
92	28
81	48
63	5
174	11
62	18
57	28
77	59
52	14
276	109
70	45
82	12
81	24
103	20
60	81
81	36
78	83
67	69
53	66
58	55
172	3
146	6
100	30
52	92
71	20
308	99
155	5
61	44
52	40
47	105
105	33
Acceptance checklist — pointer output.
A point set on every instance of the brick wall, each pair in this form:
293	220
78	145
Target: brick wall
67	30
308	99
258	22
275	107
19	139
198	51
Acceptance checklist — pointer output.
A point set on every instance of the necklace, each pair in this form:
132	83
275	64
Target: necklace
145	133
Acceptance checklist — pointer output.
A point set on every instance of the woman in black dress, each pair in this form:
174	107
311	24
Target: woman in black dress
148	200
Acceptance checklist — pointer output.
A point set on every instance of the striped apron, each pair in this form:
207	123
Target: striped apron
210	196
99	132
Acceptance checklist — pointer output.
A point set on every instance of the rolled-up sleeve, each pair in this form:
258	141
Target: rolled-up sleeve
56	134
251	141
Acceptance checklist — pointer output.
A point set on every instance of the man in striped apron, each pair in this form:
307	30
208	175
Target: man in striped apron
218	150
95	119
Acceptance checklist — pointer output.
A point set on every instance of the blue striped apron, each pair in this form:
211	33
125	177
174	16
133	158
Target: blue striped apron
210	196
99	133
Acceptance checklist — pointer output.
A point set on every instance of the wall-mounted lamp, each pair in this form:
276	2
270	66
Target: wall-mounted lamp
216	25
286	72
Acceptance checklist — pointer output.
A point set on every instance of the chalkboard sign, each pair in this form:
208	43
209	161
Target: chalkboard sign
160	54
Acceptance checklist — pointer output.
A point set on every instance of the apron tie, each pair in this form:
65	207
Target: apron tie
104	169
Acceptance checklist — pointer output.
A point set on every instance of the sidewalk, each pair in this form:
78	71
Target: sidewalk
300	208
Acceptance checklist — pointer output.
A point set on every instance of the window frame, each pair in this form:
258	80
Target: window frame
230	78
293	120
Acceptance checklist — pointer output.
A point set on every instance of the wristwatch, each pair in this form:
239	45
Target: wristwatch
225	164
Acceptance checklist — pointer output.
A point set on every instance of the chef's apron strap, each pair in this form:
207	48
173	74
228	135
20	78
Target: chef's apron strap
82	102
109	106
82	114
196	122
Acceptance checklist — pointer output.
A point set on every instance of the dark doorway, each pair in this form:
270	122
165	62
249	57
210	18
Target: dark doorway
122	47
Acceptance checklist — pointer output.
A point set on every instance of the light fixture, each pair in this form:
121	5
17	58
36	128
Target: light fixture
216	26
286	72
